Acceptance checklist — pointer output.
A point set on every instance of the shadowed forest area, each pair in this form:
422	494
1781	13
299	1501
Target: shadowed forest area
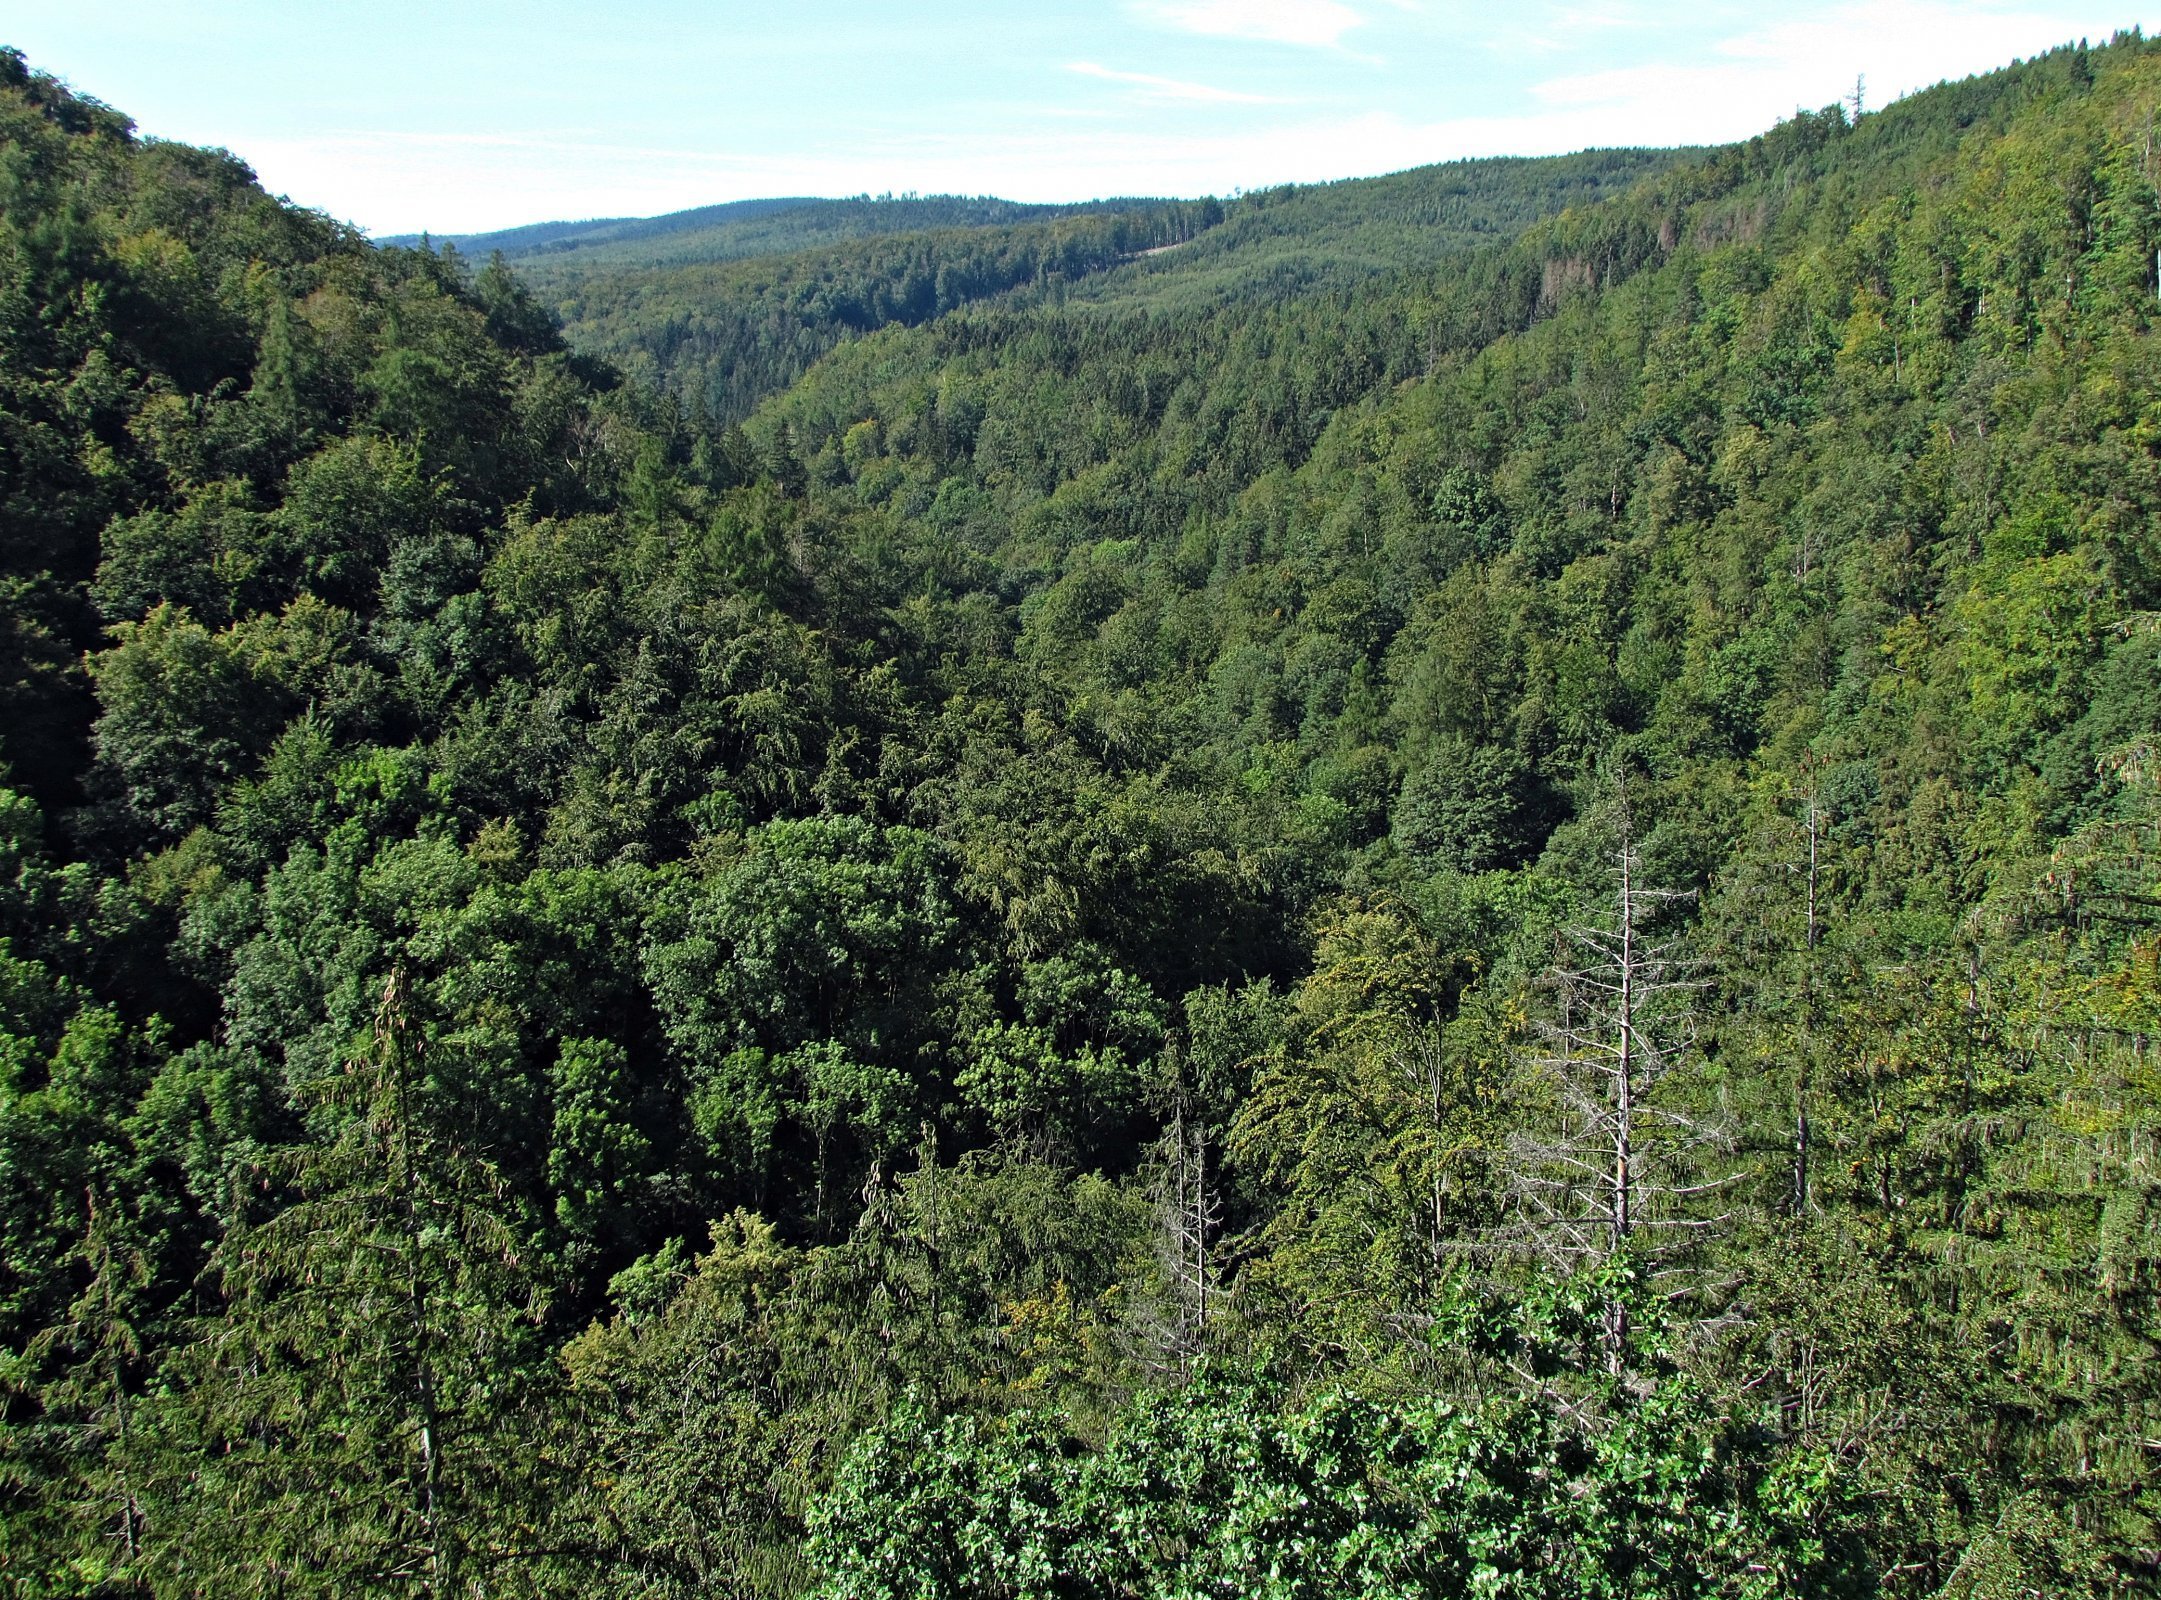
1456	892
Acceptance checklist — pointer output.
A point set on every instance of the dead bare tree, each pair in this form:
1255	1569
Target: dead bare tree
1188	1216
1422	1067
1622	1174
1805	1053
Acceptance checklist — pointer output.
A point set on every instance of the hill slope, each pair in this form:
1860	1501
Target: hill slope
726	315
742	228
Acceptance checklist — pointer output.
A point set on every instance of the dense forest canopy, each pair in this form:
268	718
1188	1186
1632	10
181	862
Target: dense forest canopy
1453	892
728	305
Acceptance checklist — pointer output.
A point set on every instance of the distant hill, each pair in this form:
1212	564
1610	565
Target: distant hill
743	228
534	238
1299	235
728	305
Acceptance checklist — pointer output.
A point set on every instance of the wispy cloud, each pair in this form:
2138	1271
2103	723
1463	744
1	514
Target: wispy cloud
1899	45
1317	24
1738	77
1169	88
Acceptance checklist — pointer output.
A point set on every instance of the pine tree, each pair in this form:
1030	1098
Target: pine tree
83	1458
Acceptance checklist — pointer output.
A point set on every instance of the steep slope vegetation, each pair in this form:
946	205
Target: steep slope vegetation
727	334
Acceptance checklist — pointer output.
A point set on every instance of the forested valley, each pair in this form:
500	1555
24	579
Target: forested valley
1439	887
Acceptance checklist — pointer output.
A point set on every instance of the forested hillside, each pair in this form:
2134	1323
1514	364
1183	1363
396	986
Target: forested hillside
1313	917
724	310
726	334
740	228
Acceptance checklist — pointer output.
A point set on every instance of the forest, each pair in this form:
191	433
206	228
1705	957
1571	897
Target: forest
724	307
1447	886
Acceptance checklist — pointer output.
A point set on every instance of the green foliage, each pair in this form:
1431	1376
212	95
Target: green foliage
1466	809
357	1415
1641	1488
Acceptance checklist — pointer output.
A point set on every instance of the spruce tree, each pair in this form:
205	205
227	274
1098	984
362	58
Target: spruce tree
363	1403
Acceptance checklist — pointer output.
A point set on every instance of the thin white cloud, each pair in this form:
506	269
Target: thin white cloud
1318	24
459	183
1168	88
1897	45
1739	82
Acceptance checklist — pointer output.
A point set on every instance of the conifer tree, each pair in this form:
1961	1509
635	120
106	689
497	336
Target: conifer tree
83	1461
361	1409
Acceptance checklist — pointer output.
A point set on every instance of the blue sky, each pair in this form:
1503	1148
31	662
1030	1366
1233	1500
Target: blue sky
458	115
